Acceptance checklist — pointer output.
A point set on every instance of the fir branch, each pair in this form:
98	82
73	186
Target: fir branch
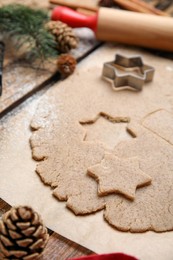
27	26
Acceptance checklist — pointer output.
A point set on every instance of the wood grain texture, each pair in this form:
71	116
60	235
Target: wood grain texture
21	79
4	207
164	5
136	29
36	3
89	4
59	247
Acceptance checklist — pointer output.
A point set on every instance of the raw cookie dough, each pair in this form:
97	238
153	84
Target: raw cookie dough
152	208
160	123
115	175
64	154
67	169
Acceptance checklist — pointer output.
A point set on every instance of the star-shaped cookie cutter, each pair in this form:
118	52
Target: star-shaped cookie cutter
127	79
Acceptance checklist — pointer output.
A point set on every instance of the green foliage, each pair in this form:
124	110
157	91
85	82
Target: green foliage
27	26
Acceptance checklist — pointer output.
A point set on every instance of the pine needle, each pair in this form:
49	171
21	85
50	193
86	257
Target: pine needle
27	27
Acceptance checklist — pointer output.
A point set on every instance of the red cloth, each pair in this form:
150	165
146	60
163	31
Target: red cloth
114	256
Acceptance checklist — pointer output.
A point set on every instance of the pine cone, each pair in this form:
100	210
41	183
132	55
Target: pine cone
64	35
66	64
22	234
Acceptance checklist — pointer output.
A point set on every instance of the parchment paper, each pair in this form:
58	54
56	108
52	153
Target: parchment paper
20	185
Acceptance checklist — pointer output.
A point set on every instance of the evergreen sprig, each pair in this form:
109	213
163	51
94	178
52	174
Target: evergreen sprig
27	26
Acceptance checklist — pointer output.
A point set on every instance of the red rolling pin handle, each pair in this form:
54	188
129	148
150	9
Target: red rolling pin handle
74	19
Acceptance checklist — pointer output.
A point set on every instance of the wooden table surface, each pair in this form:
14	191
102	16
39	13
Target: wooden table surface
58	247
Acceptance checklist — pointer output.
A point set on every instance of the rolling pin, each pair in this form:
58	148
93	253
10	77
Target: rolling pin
121	26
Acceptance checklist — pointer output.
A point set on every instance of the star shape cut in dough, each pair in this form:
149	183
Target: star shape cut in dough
107	129
115	175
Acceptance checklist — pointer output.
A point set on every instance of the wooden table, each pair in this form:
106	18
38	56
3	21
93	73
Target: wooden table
58	247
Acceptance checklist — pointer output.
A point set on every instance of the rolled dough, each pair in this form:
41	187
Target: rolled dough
64	153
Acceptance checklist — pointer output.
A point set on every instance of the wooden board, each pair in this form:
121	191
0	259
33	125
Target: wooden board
21	79
40	4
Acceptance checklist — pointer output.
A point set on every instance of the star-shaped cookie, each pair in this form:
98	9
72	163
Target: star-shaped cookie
115	175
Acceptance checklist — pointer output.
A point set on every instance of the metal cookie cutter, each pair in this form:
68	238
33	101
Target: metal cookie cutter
129	78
